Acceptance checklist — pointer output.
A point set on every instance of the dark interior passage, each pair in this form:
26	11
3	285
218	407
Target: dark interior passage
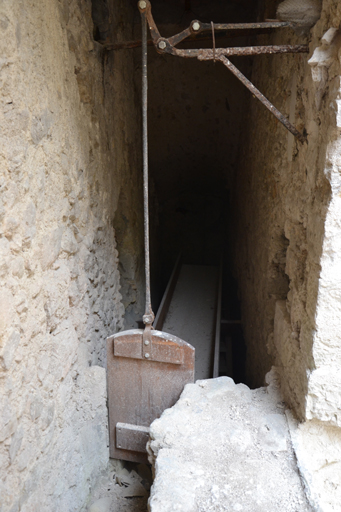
196	122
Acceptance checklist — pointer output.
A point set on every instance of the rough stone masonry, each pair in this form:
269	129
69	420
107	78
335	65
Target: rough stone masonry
61	170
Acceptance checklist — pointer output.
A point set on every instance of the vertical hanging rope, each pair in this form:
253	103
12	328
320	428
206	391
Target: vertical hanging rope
148	317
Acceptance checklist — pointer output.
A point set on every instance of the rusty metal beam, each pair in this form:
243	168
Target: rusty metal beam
245	26
209	54
281	118
178	38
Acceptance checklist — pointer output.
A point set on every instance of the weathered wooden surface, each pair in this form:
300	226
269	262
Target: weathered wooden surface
131	437
140	389
192	313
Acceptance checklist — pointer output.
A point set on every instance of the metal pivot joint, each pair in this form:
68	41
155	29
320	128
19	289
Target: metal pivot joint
168	45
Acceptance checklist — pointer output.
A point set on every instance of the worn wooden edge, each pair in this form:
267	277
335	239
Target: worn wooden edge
160	350
218	320
167	296
159	334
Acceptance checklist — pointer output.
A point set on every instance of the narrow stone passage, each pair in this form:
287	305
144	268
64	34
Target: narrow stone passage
229	184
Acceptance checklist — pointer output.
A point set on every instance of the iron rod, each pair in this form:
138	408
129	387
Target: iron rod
148	309
207	53
281	118
243	26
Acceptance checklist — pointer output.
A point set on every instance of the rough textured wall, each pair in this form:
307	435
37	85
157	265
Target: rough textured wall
60	182
287	203
288	250
195	113
123	75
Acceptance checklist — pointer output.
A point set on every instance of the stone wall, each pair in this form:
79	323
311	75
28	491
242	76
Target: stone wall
66	146
288	248
284	198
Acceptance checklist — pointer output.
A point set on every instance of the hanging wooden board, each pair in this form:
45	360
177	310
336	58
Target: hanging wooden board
141	385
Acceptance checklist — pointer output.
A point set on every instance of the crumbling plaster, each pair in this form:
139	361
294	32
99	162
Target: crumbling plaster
63	156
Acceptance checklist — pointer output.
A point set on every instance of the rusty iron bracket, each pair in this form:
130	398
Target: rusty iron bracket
168	46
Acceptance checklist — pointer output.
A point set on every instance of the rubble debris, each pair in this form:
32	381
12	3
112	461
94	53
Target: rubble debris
123	488
225	447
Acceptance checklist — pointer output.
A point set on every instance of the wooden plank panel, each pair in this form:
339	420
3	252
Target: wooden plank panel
140	390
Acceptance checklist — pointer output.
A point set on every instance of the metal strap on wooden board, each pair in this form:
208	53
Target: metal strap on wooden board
164	351
131	437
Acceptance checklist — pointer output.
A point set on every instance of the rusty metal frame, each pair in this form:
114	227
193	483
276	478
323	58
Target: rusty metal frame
168	46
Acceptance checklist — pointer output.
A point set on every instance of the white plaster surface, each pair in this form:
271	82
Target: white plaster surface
225	447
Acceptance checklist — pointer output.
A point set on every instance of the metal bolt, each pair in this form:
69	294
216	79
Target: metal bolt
146	342
142	5
147	355
196	26
162	45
